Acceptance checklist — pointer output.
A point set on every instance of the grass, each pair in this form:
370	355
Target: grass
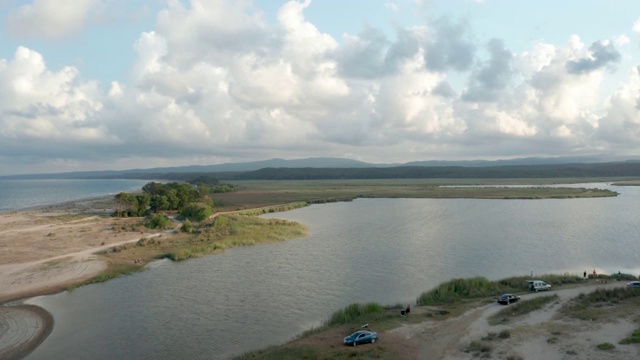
457	290
460	289
602	304
455	296
521	308
257	194
309	353
230	231
605	346
479	349
633	339
224	232
356	313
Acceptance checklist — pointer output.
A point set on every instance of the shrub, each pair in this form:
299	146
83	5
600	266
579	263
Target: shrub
197	212
187	226
157	221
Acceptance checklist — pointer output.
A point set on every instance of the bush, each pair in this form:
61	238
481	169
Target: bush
197	212
158	221
187	226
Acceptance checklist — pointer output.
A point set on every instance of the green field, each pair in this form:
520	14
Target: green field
260	193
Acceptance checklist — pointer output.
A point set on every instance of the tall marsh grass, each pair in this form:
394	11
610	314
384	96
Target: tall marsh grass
228	231
459	289
356	312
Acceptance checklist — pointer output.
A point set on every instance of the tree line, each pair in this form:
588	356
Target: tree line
193	202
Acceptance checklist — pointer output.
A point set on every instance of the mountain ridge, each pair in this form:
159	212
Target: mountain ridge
316	162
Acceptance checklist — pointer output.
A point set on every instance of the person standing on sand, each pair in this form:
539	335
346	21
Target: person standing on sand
584	276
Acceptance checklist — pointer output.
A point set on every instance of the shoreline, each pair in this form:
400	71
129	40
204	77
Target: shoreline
25	328
51	247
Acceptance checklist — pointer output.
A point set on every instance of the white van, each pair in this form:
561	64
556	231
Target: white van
538	285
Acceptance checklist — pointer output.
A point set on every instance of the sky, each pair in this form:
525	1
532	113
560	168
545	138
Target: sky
120	84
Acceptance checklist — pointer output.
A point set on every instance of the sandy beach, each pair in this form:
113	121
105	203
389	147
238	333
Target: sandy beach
45	250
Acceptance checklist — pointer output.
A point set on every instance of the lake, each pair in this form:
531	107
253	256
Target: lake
383	250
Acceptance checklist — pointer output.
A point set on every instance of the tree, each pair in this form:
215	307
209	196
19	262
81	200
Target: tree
159	203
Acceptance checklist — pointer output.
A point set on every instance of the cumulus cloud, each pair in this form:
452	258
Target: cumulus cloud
620	127
49	18
494	76
449	46
217	80
41	104
601	54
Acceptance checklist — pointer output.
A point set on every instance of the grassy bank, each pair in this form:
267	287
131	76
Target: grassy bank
460	290
256	194
449	299
214	236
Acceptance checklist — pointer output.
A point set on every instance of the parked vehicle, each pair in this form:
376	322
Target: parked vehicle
634	284
538	285
361	337
507	299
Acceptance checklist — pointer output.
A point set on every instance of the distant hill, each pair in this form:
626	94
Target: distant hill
326	165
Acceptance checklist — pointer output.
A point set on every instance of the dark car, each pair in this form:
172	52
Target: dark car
361	337
634	284
507	299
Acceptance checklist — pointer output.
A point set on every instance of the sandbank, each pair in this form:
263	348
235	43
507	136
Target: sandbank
45	250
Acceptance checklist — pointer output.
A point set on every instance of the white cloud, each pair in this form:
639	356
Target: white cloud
214	80
41	104
50	18
636	26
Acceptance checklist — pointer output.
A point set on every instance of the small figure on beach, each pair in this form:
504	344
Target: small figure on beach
408	309
594	273
619	275
585	275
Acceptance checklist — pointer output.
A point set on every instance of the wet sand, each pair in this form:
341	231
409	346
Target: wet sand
22	329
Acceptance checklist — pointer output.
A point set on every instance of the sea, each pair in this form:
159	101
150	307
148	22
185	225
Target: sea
27	194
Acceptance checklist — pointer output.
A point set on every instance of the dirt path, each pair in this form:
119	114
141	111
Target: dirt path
541	332
22	279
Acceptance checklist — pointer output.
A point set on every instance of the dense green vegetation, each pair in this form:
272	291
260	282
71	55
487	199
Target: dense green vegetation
197	212
194	202
611	171
229	231
460	289
356	313
457	290
443	172
158	221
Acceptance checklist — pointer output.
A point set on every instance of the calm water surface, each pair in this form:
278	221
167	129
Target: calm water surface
383	250
24	194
